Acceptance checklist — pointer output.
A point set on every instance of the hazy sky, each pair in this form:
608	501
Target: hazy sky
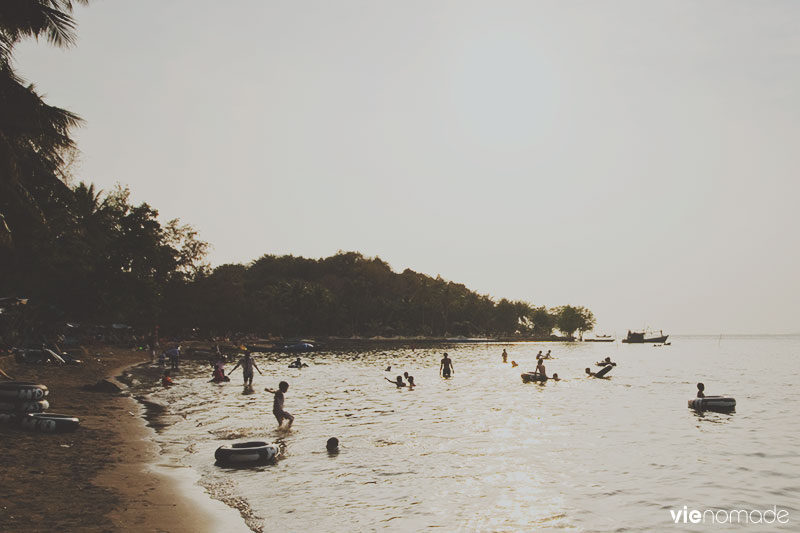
638	158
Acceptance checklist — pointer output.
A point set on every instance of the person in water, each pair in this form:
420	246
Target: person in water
446	367
219	370
589	372
547	355
166	379
332	445
297	363
514	364
505	356
607	360
277	405
539	355
248	364
555	377
700	390
398	381
410	382
540	369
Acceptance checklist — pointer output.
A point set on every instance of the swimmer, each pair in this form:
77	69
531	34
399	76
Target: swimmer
590	373
514	364
332	445
446	367
700	390
555	377
277	405
248	364
607	360
547	355
388	368
505	356
411	384
166	380
540	369
398	381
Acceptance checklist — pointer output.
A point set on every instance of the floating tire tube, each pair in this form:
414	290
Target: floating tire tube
24	407
50	423
8	418
242	453
17	390
529	377
713	403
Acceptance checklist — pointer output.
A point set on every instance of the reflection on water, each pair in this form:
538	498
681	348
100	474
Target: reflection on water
483	451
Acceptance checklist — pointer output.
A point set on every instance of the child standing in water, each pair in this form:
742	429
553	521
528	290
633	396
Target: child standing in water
277	405
446	367
248	364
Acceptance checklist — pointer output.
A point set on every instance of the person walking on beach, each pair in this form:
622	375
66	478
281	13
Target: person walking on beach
248	364
446	367
277	405
505	356
174	357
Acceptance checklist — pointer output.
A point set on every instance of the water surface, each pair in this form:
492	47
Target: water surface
483	451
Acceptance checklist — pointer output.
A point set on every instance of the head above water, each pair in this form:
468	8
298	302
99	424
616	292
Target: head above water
283	386
701	387
608	359
410	378
332	445
588	370
399	379
405	375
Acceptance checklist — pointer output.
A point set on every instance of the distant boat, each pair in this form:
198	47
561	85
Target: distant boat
640	337
600	338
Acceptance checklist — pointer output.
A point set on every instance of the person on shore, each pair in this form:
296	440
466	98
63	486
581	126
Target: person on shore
701	390
174	357
277	405
166	379
398	381
446	367
505	356
248	364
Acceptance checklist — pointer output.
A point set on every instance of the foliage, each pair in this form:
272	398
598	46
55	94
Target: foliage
570	319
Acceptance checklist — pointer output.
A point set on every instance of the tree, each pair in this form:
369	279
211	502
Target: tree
34	137
570	319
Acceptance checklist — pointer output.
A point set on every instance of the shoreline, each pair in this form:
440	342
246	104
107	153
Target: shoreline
109	475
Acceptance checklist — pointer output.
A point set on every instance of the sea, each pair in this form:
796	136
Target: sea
483	451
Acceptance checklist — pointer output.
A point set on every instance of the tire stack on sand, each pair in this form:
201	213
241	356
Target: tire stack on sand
24	404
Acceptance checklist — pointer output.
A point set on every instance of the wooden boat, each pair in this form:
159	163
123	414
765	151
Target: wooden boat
640	337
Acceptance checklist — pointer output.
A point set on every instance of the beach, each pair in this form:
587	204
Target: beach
107	475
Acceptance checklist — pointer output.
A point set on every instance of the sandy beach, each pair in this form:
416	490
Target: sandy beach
107	475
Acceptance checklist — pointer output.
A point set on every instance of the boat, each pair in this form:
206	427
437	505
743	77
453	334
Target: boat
640	337
600	338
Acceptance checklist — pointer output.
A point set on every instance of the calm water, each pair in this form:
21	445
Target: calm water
483	451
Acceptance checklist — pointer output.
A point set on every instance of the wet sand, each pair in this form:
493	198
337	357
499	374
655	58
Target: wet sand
107	475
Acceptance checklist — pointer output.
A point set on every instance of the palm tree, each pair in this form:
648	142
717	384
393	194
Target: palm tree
34	136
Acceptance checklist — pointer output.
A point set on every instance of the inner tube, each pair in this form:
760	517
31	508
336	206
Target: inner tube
713	403
50	423
530	377
246	453
22	390
8	418
24	407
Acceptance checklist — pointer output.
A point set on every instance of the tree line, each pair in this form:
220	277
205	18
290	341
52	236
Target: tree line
85	255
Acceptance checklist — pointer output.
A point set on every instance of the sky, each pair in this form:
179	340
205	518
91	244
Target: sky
636	158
